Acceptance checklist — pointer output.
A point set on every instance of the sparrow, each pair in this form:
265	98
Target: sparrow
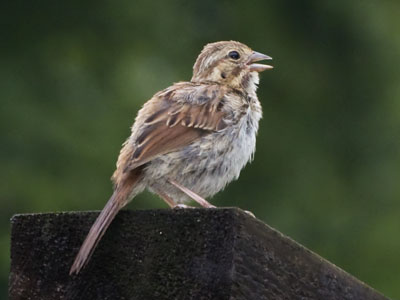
189	140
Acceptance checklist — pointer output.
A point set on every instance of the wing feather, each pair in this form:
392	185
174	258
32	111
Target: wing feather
178	118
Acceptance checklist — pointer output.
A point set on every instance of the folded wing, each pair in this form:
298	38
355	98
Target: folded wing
179	116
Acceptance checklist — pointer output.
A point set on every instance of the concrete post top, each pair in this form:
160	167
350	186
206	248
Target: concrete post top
221	253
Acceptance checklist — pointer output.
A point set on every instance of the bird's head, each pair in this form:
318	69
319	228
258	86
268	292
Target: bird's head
230	63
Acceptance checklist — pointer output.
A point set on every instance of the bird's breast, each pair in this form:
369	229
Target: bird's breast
207	165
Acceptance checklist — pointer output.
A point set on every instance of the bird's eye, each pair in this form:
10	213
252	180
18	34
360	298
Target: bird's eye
234	55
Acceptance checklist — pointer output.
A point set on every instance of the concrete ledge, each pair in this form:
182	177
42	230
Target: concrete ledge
171	254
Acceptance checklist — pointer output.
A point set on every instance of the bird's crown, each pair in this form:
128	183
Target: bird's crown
227	62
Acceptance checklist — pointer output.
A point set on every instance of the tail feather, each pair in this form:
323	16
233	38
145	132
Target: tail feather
117	201
96	233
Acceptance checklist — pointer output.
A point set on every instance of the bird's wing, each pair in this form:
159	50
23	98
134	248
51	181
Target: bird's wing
179	115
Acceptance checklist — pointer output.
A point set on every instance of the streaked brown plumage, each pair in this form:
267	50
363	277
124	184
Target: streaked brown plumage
191	139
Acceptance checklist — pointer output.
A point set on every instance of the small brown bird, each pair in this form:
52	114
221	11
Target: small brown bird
191	139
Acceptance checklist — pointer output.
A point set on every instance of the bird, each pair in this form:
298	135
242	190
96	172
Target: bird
189	140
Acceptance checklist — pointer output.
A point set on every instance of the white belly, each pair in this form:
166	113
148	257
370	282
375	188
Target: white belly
208	164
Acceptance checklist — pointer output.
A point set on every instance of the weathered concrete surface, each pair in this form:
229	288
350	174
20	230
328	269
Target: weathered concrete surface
171	254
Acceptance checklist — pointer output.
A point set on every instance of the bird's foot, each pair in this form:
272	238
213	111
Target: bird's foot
200	200
182	206
250	213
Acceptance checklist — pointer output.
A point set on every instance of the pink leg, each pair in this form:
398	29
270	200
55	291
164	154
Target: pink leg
192	195
171	203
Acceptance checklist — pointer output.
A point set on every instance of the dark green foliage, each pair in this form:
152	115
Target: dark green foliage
327	169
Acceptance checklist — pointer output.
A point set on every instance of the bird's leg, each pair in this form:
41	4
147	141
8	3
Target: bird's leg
171	203
203	202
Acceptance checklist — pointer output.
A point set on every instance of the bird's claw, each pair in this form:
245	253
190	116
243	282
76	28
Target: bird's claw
182	206
250	213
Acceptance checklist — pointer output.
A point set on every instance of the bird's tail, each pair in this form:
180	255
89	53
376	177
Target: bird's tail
117	201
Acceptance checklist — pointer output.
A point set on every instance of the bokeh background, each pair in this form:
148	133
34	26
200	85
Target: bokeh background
327	169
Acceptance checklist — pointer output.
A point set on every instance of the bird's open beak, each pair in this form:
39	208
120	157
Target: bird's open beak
256	56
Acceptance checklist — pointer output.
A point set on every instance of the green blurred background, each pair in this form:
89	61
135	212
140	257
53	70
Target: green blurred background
327	168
